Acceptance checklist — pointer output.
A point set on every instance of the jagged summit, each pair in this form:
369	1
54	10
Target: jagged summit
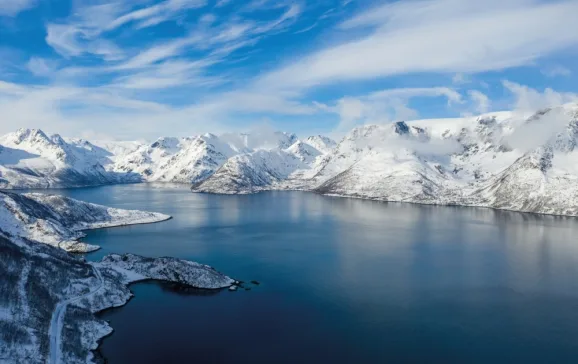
321	143
401	128
23	134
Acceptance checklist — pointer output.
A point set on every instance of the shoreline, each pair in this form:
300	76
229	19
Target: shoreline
377	199
188	186
82	231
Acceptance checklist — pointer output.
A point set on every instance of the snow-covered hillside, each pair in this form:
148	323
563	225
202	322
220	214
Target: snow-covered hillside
59	221
49	297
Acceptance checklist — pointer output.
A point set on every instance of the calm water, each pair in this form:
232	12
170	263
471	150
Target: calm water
345	281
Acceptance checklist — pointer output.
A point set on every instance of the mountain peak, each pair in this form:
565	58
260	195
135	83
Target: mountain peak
165	143
23	134
401	128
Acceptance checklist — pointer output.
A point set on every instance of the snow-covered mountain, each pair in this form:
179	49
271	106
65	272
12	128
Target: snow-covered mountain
31	159
502	160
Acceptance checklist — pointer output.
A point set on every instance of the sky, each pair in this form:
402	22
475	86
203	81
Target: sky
140	69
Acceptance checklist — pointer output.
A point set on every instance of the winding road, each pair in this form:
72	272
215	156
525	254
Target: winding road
57	321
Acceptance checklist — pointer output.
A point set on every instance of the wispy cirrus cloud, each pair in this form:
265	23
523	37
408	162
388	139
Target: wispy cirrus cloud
556	71
421	36
155	14
82	32
481	101
13	7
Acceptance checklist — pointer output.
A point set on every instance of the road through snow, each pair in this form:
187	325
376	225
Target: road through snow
57	321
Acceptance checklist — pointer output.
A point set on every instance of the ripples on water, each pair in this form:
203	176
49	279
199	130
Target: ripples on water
345	280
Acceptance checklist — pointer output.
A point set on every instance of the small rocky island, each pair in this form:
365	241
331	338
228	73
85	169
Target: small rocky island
49	297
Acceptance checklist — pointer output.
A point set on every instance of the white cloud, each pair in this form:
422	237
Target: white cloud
481	101
438	36
155	14
13	7
11	89
82	32
72	110
529	136
221	3
71	41
556	71
460	79
79	34
169	74
39	66
385	106
406	93
207	18
292	12
122	79
528	100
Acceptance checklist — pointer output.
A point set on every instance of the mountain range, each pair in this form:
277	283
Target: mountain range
503	160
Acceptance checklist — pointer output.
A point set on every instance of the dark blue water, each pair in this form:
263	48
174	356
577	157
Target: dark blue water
345	280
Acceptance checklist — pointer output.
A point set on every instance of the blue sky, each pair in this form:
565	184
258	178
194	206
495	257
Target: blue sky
145	68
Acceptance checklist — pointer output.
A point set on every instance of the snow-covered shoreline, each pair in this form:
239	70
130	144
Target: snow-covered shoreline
441	204
51	315
61	221
116	274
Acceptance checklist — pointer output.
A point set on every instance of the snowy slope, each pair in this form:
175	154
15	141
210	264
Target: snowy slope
281	167
194	159
251	172
322	143
49	297
59	221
